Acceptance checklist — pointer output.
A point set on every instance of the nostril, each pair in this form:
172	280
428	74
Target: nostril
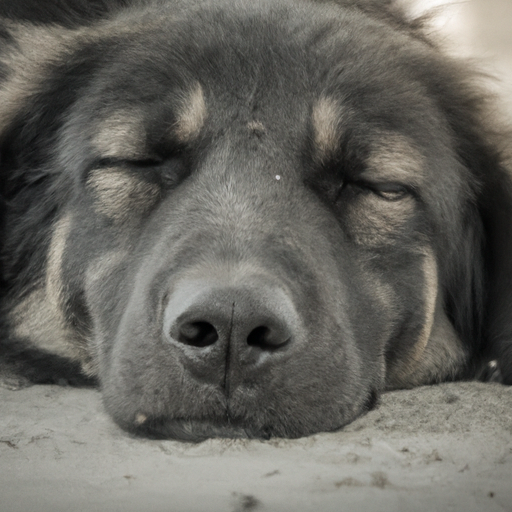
267	338
197	334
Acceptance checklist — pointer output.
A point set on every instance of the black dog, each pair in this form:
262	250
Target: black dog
246	218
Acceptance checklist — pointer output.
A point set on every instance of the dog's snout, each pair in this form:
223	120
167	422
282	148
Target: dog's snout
243	319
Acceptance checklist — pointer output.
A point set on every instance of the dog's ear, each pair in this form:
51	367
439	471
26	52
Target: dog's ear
497	217
484	148
477	284
31	108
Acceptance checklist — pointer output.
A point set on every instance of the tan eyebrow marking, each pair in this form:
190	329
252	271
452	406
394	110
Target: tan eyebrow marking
326	117
394	158
121	135
191	115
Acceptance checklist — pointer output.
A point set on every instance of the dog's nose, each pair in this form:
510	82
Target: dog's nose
249	321
258	330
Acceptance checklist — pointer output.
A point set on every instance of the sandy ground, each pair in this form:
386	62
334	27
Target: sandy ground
440	448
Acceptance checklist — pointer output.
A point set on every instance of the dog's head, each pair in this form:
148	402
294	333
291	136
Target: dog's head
249	219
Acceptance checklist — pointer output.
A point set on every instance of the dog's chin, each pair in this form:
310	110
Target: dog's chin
195	430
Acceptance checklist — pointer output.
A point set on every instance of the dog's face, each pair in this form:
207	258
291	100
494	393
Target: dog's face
260	213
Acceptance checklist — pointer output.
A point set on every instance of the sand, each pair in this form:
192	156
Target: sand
439	448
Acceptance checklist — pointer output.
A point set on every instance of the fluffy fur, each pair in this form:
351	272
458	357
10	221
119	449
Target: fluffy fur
246	219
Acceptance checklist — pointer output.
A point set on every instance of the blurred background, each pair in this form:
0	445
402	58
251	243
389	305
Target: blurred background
481	29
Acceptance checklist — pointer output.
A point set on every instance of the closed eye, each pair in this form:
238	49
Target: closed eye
389	191
168	172
122	162
146	162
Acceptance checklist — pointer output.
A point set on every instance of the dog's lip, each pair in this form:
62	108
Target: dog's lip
194	429
199	429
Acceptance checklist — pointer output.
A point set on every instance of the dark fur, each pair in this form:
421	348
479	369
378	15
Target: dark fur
324	287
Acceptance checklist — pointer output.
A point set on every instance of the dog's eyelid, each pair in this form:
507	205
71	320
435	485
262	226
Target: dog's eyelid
389	190
109	161
387	186
142	162
145	162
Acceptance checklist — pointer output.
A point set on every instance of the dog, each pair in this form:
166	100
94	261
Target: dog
246	219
